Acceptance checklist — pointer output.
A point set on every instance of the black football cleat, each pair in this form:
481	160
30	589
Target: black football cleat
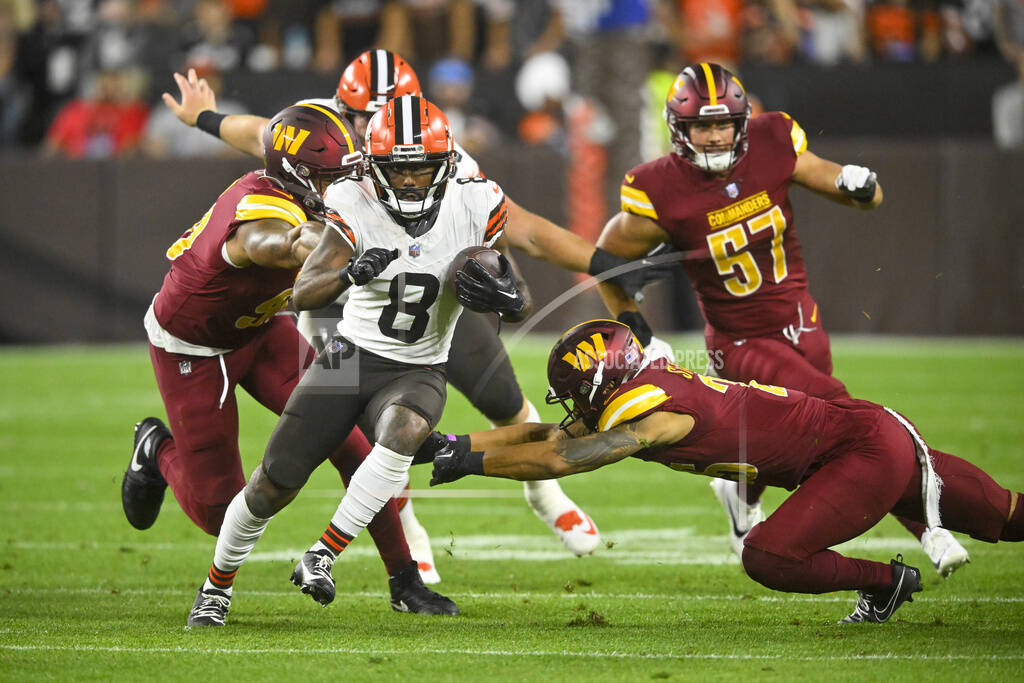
313	575
878	607
408	594
142	489
210	608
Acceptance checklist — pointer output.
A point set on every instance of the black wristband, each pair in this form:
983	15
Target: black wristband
636	322
604	260
473	463
345	278
208	121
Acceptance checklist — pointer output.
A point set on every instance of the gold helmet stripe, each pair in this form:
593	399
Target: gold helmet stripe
333	117
712	90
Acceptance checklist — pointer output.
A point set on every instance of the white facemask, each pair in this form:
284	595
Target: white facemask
712	162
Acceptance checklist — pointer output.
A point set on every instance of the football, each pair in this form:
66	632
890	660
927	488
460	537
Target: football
485	256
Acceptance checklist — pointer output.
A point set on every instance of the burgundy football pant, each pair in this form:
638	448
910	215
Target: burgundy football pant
202	463
773	359
850	493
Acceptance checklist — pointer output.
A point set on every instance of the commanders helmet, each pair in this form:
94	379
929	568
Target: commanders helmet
410	132
588	364
373	78
307	147
707	92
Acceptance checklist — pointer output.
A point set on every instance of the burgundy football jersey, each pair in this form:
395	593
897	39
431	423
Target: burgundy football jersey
209	302
748	274
753	433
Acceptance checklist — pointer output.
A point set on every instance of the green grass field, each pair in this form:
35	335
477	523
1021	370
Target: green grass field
84	596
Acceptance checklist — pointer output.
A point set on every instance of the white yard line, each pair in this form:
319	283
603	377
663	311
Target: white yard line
510	653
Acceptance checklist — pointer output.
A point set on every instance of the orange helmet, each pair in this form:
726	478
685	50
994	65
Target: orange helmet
410	132
373	78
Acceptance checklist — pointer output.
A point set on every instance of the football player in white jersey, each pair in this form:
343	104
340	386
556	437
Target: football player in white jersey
394	238
369	81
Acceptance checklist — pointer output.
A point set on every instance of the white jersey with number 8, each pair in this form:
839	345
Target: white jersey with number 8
408	313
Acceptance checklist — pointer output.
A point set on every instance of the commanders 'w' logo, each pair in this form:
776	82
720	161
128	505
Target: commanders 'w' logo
586	353
284	136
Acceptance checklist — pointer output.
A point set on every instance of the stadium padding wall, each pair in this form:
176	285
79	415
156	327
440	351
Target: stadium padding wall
82	243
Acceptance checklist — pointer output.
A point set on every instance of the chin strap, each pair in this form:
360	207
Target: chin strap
417	227
598	378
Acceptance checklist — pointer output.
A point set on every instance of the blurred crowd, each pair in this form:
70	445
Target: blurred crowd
78	78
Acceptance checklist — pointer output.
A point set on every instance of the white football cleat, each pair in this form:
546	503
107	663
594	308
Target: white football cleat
419	544
570	523
742	517
944	551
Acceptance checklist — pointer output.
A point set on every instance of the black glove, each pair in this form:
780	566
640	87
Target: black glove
431	446
455	461
369	265
638	275
636	322
478	290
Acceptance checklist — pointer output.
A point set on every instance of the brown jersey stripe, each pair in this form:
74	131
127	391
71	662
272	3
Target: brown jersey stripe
347	231
501	218
502	207
496	221
493	231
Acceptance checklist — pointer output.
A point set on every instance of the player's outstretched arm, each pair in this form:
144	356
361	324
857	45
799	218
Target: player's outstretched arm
561	457
320	281
244	132
512	435
848	185
272	243
631	237
540	238
628	236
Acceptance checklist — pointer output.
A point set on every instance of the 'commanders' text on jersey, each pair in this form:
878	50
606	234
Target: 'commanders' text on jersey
408	313
778	436
752	275
206	300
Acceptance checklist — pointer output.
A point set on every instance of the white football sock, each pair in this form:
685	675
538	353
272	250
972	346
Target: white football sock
546	498
380	477
238	534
